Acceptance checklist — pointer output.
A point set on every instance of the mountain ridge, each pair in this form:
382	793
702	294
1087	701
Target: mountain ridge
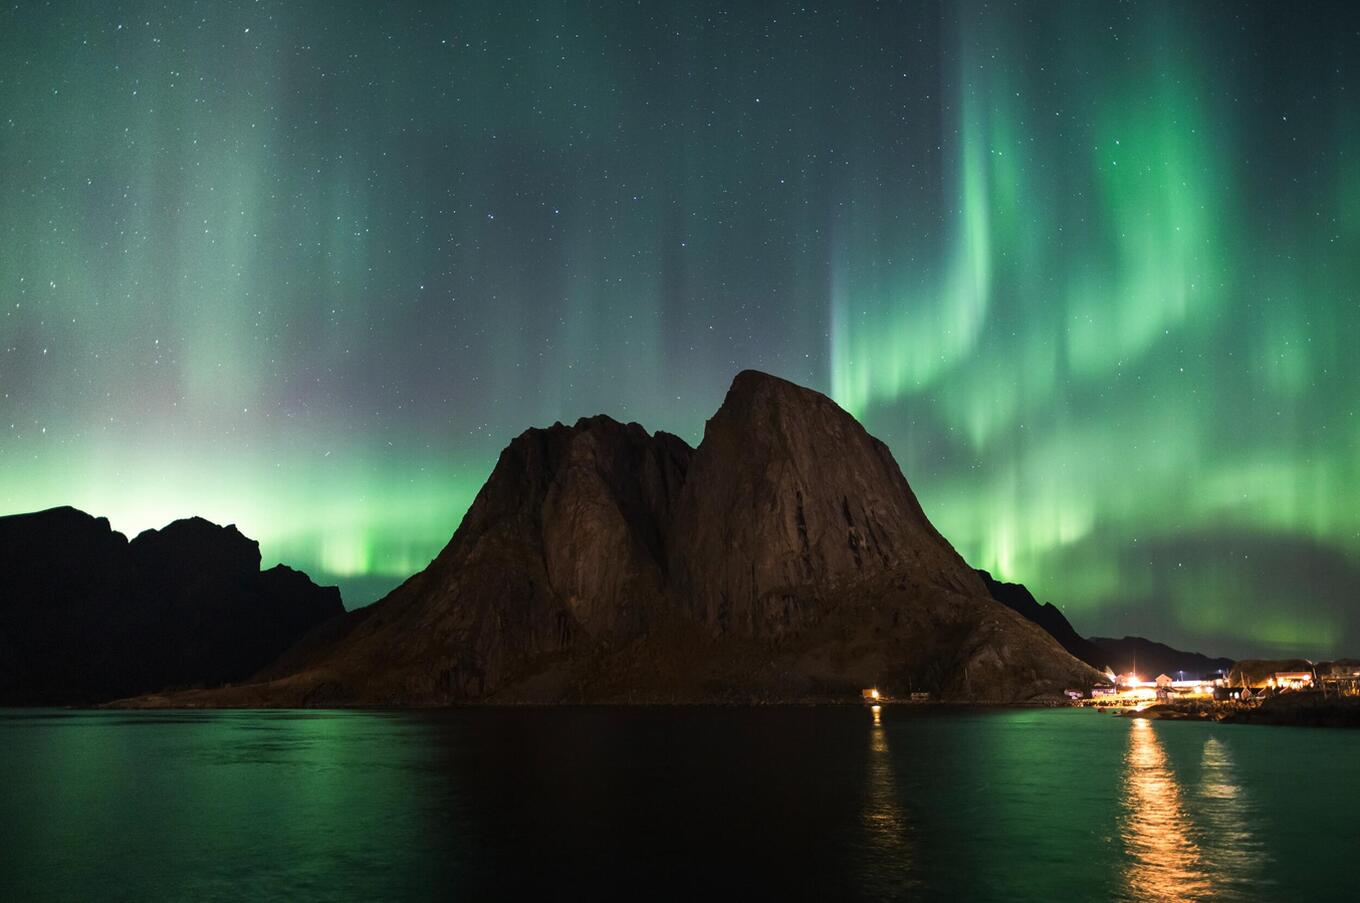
87	615
1119	655
1150	658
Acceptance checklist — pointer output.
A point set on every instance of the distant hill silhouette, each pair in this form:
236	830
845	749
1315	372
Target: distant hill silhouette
87	616
785	558
1148	658
1122	656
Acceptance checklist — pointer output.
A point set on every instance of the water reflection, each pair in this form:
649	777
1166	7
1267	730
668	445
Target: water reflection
1235	850
1163	860
887	829
685	804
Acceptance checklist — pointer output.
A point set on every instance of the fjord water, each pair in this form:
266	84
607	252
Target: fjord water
670	802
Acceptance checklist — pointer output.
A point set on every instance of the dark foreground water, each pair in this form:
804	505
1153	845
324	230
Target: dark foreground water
677	803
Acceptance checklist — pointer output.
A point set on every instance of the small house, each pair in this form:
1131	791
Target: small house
1292	680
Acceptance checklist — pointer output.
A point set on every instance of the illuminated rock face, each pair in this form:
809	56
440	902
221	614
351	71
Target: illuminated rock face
785	558
788	492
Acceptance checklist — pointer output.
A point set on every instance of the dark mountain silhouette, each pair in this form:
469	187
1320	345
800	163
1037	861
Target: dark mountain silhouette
87	616
1122	656
1149	659
785	558
1019	599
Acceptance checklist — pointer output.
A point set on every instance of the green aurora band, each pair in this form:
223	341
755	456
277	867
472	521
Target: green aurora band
1091	270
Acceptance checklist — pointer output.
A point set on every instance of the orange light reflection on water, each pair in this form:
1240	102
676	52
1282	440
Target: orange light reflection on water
1164	863
888	831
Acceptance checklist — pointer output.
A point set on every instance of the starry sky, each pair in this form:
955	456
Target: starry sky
1092	270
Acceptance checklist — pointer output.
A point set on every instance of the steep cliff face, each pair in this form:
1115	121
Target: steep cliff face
787	493
563	548
785	559
87	616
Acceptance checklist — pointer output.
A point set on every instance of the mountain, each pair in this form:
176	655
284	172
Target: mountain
87	616
785	558
1149	659
1019	599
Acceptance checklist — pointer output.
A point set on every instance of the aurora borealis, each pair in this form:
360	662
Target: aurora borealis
1091	270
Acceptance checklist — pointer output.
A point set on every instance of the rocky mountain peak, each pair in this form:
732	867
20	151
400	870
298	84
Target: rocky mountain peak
788	492
194	545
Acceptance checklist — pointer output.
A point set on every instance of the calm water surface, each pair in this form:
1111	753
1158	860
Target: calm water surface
675	803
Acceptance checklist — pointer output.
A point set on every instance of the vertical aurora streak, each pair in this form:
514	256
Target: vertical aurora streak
1091	270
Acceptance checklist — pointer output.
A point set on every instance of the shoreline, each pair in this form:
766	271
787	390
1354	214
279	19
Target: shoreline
1300	709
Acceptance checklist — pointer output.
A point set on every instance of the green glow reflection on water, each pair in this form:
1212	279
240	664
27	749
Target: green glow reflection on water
1006	804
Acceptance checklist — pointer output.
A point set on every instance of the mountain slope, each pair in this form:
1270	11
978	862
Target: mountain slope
1018	598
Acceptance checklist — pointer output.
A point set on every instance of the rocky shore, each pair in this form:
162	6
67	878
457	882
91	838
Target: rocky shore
1305	709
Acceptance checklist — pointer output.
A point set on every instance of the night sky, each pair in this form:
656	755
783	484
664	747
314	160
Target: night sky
1092	270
